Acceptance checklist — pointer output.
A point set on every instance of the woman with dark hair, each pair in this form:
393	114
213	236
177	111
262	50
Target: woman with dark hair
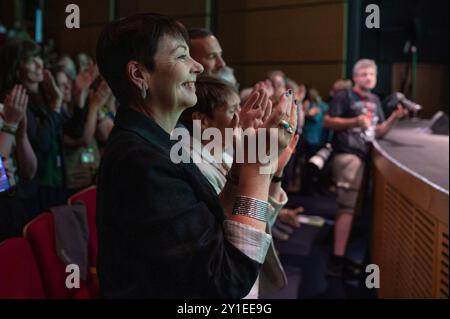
162	230
17	161
22	64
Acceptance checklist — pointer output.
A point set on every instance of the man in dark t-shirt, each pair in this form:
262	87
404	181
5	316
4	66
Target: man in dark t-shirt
357	118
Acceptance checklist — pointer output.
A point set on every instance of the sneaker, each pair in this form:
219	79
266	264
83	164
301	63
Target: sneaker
335	266
344	268
352	270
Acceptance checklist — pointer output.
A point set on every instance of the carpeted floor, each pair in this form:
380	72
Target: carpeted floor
305	254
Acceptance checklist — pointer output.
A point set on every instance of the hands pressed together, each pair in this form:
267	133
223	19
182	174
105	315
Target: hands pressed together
260	114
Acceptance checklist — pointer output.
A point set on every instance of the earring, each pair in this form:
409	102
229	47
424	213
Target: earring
143	92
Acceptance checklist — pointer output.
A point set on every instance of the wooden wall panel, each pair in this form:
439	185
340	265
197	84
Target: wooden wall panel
75	41
93	16
295	34
432	86
167	7
91	12
305	39
232	5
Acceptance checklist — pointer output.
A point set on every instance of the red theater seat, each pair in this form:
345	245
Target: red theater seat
40	233
19	275
88	197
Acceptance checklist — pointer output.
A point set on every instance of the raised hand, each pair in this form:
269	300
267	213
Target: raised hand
15	105
290	216
283	159
22	129
254	109
84	79
400	112
363	121
99	97
284	110
82	83
52	91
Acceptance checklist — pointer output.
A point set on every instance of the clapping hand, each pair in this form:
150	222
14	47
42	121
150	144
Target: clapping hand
52	92
15	105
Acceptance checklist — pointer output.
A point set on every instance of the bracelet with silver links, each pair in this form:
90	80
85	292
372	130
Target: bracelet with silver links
251	207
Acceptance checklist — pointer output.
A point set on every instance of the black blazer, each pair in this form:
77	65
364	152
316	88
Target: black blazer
160	224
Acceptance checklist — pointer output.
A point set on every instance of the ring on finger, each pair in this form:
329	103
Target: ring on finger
286	126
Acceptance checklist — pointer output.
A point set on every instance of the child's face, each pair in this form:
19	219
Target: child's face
224	114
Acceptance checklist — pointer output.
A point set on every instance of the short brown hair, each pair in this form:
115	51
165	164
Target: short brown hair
12	54
211	93
132	38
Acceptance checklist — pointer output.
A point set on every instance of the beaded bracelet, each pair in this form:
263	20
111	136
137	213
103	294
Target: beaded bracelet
10	129
251	207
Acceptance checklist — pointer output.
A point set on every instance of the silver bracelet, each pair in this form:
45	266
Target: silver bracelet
251	207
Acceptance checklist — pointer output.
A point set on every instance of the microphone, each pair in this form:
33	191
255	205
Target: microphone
399	98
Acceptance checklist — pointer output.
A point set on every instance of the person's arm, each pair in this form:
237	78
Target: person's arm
341	123
312	111
13	113
335	120
96	100
230	189
26	159
277	195
51	92
6	144
88	131
104	128
384	127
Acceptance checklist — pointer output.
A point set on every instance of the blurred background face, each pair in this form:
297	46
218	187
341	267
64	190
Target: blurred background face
68	66
279	84
208	52
223	115
32	70
366	78
65	85
84	62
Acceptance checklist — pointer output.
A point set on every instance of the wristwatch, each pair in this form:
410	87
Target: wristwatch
277	179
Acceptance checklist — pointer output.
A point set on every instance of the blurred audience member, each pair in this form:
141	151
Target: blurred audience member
313	130
205	49
337	86
357	118
18	161
278	79
84	62
81	153
22	64
68	66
